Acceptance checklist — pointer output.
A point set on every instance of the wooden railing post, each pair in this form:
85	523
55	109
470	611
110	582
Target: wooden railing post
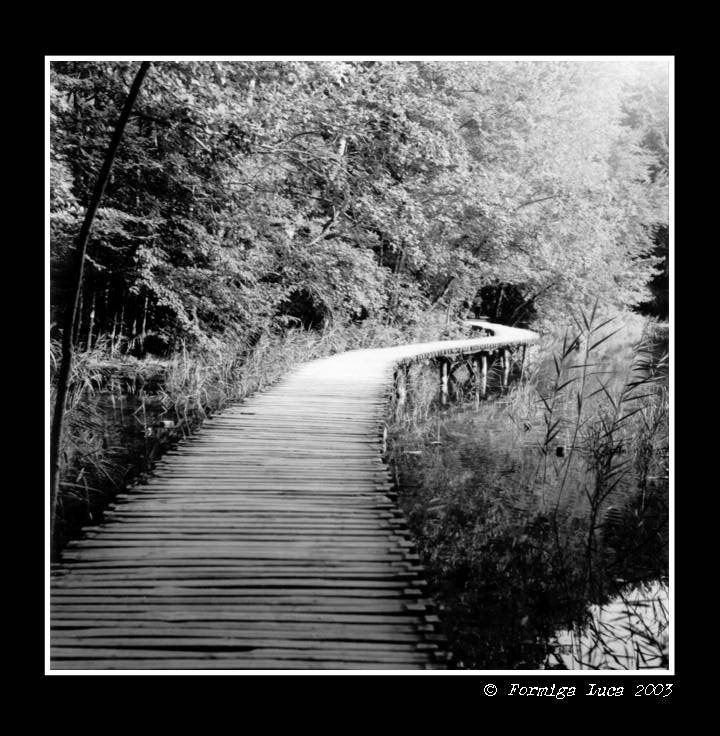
483	374
479	364
475	369
505	367
444	380
401	377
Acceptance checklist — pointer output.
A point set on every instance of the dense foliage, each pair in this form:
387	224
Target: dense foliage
247	195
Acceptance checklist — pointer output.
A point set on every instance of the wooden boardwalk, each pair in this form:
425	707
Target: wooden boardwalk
269	540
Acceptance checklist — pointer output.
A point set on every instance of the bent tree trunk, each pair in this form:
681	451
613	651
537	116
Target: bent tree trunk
72	307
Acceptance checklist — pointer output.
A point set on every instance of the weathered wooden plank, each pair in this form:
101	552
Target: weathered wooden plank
370	596
247	630
250	654
381	651
245	583
193	663
219	615
326	604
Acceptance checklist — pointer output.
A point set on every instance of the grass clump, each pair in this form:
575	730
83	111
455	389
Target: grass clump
123	413
546	503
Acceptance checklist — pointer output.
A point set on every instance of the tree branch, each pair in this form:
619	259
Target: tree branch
535	201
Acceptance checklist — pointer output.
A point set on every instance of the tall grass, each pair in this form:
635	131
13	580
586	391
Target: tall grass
122	412
546	499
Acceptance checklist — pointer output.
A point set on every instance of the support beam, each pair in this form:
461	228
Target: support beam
483	374
479	363
444	380
475	369
401	381
506	360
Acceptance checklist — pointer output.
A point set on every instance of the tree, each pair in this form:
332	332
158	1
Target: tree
248	195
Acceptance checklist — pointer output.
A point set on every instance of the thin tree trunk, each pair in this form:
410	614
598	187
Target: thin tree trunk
121	323
441	295
112	336
499	302
72	308
78	322
526	304
133	333
105	309
144	320
91	322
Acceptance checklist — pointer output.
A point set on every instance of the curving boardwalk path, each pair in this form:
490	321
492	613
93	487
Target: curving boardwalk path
269	540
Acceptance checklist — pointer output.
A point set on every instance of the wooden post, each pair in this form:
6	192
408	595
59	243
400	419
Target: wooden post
478	363
401	374
505	367
444	380
71	312
475	368
483	374
522	361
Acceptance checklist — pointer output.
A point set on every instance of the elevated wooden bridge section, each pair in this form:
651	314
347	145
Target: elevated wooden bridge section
269	540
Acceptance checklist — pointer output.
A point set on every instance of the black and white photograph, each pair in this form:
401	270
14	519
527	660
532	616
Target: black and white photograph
360	363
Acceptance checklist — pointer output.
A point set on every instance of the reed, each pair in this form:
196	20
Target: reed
546	500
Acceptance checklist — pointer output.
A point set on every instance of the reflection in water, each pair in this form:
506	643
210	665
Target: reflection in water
628	633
